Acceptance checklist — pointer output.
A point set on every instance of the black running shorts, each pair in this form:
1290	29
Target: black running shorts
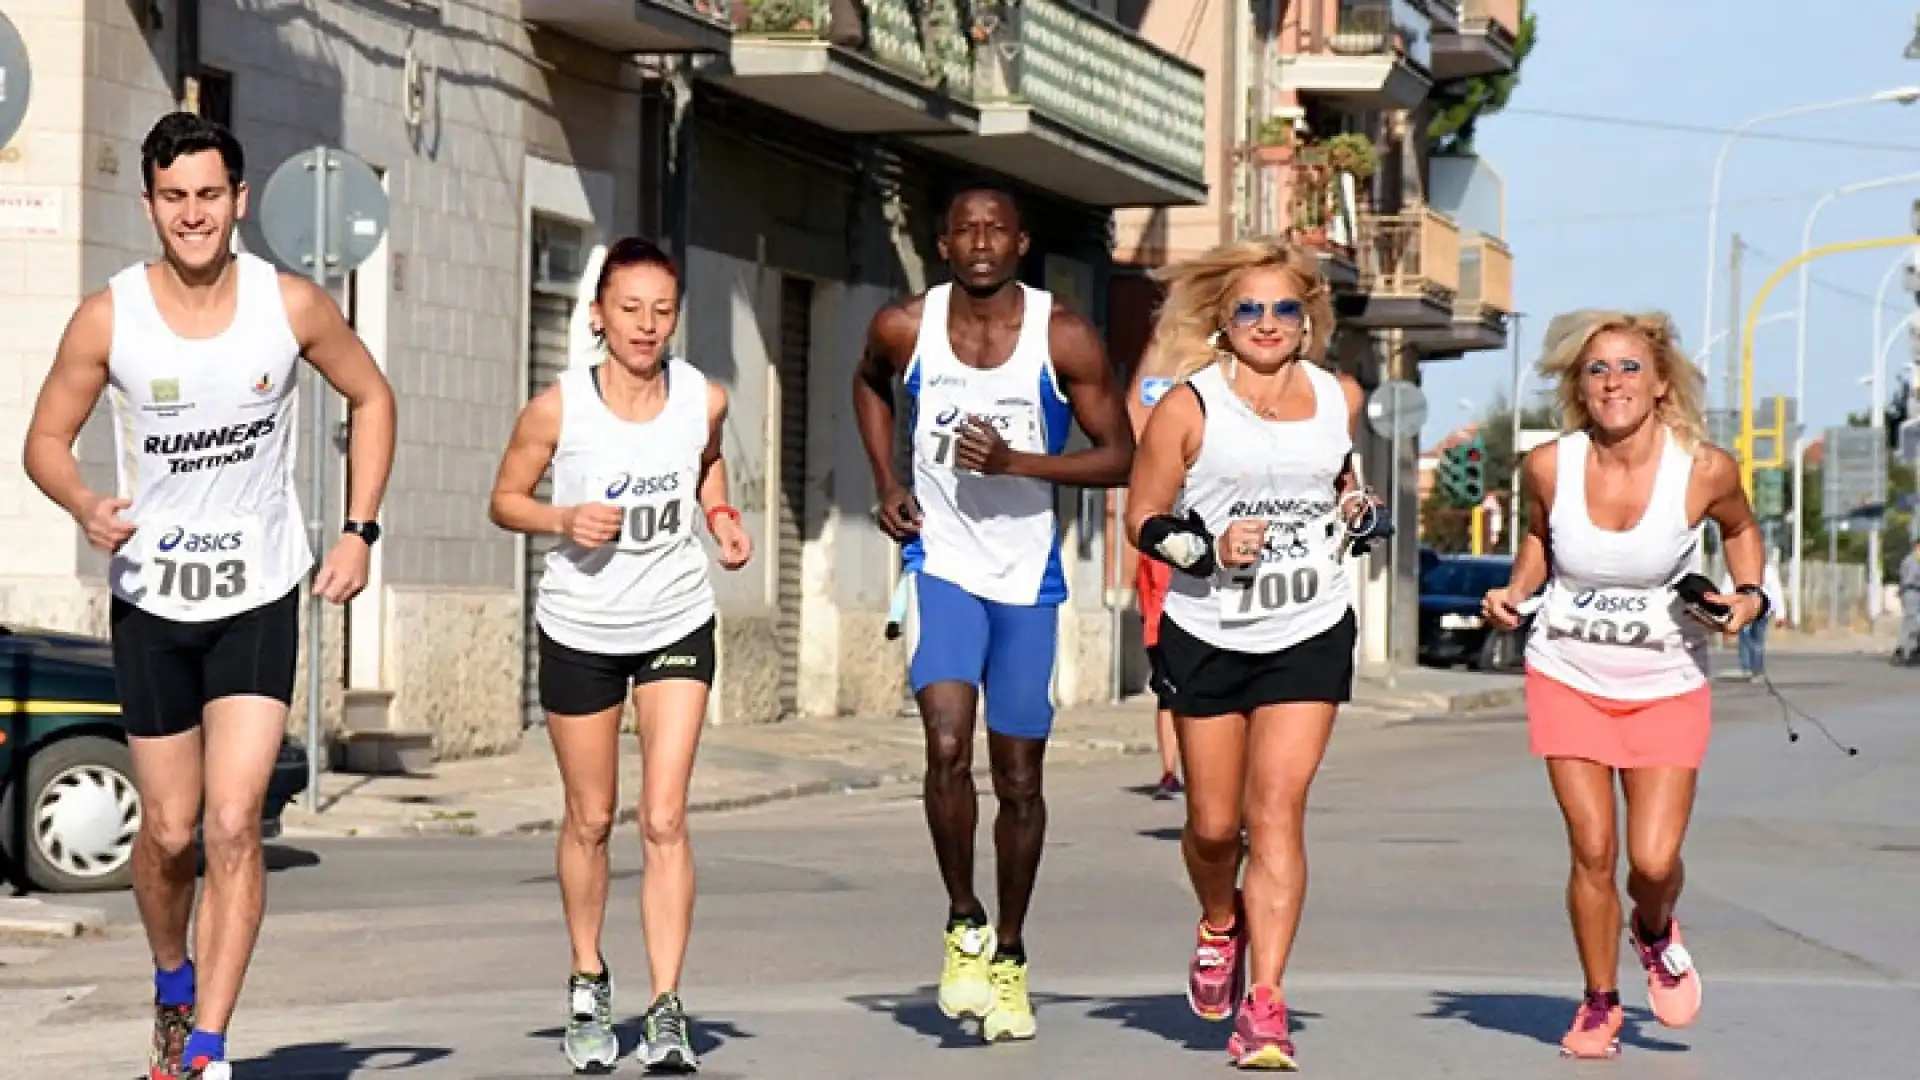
1197	679
576	683
167	671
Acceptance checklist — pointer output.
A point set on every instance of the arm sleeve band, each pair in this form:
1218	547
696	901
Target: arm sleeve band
1186	546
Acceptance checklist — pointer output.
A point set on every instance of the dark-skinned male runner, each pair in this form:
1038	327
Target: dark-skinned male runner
996	374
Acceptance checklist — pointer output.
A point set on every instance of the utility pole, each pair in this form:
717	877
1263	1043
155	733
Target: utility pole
1513	450
1735	338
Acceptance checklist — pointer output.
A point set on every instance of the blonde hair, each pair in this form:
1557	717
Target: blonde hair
1200	295
1682	409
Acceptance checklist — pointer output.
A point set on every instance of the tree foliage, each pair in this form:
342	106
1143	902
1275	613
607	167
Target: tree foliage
1461	105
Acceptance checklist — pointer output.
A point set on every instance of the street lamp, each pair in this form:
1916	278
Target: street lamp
1800	369
1905	95
1778	316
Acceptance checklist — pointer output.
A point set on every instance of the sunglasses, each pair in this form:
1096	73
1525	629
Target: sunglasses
1249	312
1628	366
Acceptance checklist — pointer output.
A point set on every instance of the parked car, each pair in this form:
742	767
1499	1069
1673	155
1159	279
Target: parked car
68	807
1452	630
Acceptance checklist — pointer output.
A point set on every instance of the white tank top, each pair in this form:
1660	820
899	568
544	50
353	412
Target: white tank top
993	536
1610	624
650	587
204	434
1283	471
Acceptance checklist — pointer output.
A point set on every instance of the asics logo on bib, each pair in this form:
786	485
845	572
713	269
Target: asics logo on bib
629	484
177	447
198	543
1603	604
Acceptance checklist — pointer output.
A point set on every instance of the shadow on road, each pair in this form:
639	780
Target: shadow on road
338	1061
1541	1017
1169	1017
705	1035
1164	1015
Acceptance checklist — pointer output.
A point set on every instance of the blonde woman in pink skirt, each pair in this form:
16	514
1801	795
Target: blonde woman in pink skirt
1617	680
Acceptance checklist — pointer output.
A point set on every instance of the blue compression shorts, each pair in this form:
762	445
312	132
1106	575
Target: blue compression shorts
1006	649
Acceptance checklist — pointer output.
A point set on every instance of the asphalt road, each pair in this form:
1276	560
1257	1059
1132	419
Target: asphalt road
1435	942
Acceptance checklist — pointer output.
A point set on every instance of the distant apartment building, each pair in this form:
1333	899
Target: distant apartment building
1318	121
793	154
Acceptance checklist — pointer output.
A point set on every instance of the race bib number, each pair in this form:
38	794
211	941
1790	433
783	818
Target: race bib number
1283	578
1629	618
207	560
1017	428
1255	592
652	508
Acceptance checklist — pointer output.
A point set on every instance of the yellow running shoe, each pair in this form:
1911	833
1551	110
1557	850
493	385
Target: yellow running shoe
1012	1014
965	989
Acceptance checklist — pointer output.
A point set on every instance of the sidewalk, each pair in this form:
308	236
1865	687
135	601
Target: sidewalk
750	764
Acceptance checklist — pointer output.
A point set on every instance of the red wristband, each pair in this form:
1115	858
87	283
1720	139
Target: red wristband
717	511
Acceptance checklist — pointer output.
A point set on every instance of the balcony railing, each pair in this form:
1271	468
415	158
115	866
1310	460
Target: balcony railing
1493	15
1319	213
1080	70
1414	253
1486	278
1367	28
925	40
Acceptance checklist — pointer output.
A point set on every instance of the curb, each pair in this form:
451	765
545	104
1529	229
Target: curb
1438	704
27	916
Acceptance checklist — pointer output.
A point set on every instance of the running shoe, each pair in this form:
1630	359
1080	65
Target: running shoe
590	1042
1673	983
666	1037
171	1026
966	988
1596	1028
1261	1037
1214	973
207	1070
1168	787
1011	1016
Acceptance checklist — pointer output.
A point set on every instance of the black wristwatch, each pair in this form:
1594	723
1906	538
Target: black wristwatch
368	531
1766	605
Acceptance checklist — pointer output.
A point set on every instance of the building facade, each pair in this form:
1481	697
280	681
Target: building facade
1320	115
793	154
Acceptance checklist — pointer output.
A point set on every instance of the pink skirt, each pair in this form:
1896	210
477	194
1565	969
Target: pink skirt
1666	732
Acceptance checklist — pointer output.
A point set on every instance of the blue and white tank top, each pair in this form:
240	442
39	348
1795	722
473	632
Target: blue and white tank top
994	536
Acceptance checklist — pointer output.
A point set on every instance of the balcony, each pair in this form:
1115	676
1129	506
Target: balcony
628	26
1409	272
1365	55
1481	43
1481	307
1321	215
1072	103
904	72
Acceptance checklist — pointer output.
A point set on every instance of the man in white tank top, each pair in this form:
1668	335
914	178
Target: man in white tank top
1616	660
996	374
200	354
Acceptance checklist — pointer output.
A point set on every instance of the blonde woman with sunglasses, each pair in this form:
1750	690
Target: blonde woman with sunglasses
1243	483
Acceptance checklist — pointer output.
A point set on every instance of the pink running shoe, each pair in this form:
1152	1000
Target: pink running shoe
1596	1029
1213	976
1673	985
1261	1038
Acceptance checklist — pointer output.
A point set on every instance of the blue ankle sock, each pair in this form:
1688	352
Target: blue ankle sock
174	987
204	1046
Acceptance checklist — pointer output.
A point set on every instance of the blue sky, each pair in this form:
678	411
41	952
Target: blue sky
1613	212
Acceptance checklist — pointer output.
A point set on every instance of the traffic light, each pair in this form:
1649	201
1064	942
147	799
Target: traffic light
1463	477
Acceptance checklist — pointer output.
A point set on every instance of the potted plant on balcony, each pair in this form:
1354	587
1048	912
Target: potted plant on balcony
1273	141
780	16
1353	154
